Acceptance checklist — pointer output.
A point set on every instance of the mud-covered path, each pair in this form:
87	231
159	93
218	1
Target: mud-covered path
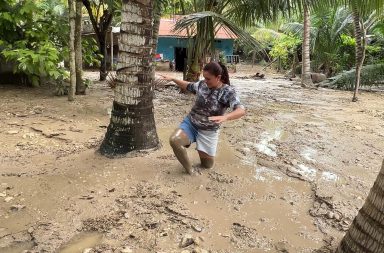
290	176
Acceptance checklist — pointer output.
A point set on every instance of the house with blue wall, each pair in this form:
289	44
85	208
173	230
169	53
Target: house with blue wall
174	46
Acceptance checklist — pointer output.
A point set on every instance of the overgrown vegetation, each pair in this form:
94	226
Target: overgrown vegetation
33	38
371	75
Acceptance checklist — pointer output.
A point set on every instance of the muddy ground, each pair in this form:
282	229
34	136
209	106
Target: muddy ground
290	176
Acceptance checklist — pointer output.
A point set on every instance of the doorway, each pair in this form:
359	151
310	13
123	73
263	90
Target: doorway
180	58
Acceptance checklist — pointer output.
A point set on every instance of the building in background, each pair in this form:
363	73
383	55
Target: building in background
173	47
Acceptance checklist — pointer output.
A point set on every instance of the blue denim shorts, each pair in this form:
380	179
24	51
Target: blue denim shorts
206	140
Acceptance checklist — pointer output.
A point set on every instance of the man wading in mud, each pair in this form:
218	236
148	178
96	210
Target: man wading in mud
214	96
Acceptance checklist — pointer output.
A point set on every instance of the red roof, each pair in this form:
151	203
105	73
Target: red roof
167	25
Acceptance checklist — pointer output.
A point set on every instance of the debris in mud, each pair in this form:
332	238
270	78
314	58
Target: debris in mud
126	249
256	76
221	178
266	144
197	228
86	197
330	216
8	199
198	250
9	240
301	172
186	241
282	247
102	224
244	237
13	132
16	208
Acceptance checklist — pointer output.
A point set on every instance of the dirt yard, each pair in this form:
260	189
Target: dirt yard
290	176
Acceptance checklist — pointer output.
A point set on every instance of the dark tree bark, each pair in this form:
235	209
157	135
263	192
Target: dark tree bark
132	125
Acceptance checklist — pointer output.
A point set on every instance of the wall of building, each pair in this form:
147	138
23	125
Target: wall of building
166	46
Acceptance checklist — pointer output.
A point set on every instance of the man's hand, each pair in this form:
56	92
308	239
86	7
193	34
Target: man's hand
218	119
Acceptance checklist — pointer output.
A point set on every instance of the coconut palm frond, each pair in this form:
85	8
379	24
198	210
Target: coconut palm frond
294	28
371	21
192	22
365	7
297	29
247	12
342	19
266	35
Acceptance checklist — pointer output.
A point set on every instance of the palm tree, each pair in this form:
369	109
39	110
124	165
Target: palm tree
132	125
360	8
306	61
360	46
367	230
72	66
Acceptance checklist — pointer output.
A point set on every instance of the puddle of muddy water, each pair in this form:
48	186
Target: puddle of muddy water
81	242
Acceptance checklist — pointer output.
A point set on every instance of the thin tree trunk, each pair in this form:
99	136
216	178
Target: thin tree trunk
132	125
72	65
360	54
103	52
253	58
101	29
188	74
366	233
295	62
80	85
306	61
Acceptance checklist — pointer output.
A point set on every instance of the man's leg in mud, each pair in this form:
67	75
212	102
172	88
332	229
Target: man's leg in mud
206	160
179	140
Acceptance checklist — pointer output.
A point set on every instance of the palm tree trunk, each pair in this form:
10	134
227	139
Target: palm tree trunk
132	125
80	85
366	233
306	71
360	54
72	66
155	33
